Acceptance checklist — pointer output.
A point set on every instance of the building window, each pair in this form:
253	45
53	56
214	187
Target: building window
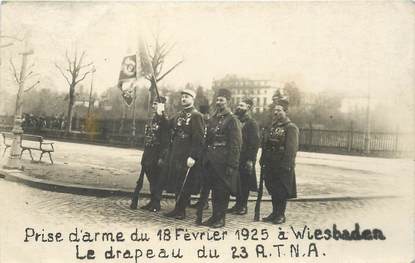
265	101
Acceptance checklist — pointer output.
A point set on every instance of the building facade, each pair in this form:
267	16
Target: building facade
260	90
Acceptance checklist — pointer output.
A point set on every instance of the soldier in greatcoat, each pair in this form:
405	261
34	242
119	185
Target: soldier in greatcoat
186	147
156	144
204	110
247	160
279	149
221	160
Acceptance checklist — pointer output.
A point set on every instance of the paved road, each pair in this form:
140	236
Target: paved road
317	174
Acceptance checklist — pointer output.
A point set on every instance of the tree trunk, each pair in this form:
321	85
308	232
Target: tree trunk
152	91
70	109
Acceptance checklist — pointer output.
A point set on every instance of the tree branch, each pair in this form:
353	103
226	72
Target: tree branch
31	87
30	75
79	64
7	45
63	74
69	61
170	70
14	71
87	65
83	77
12	37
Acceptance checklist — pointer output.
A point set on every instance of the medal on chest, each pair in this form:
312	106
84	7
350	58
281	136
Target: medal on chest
184	119
277	134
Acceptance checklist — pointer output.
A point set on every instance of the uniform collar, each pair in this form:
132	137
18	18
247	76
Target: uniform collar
223	113
276	123
245	117
190	109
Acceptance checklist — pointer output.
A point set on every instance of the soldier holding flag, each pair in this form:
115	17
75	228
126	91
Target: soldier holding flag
156	143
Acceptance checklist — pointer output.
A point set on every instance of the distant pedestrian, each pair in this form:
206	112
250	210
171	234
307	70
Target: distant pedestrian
279	150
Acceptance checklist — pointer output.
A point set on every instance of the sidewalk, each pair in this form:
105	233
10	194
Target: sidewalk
102	170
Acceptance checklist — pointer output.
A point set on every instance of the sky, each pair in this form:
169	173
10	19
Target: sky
351	47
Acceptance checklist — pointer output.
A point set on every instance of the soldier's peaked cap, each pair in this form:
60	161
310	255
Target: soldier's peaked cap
224	93
189	91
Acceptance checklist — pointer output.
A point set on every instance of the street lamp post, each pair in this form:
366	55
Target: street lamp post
133	128
13	161
368	127
90	90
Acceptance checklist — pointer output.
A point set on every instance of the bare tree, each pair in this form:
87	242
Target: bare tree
20	77
74	72
157	54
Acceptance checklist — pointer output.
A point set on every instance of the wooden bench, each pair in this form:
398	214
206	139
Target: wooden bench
28	143
7	141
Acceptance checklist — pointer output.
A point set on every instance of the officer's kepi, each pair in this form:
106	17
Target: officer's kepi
189	92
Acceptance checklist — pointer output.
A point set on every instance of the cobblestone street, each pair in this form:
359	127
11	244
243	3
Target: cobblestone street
55	208
320	177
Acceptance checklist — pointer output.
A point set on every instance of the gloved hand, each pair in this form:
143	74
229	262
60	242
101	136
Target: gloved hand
159	109
190	162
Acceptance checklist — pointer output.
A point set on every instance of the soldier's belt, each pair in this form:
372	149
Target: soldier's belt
273	148
217	144
151	144
182	136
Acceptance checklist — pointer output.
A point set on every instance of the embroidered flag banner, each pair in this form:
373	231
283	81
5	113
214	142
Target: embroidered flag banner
128	75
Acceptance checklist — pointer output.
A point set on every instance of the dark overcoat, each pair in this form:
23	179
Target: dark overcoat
156	141
223	147
187	141
249	151
279	150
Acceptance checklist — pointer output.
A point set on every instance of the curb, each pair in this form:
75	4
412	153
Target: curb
19	177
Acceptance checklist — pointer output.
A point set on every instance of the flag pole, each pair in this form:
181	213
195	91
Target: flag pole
133	128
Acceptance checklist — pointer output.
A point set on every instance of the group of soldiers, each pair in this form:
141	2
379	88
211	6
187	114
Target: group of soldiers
195	153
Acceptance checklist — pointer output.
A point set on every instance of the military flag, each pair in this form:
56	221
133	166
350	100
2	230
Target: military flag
128	75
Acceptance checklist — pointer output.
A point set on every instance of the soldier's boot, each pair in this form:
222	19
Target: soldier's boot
172	213
242	208
218	223
209	221
147	206
197	204
221	210
273	215
281	206
241	211
181	214
155	206
234	208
